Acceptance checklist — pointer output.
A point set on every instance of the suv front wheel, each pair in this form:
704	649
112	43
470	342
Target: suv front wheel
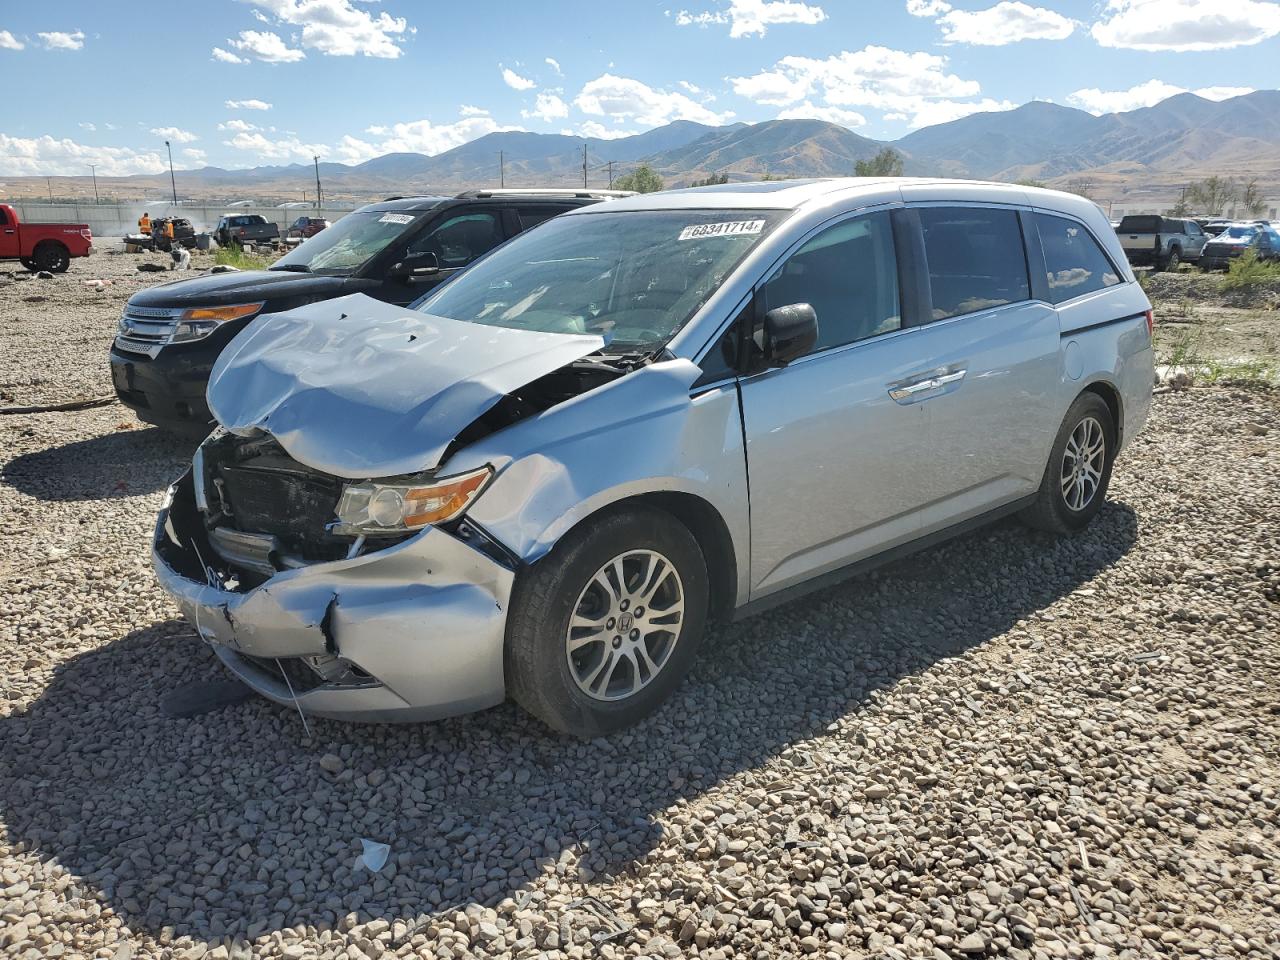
604	628
1076	477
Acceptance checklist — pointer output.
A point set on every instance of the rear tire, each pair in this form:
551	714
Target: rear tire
1174	259
620	661
1078	473
51	256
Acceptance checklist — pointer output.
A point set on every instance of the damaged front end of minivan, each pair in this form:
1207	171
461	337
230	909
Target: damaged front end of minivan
320	535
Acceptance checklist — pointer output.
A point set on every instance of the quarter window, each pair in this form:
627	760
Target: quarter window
1072	258
532	216
976	259
849	275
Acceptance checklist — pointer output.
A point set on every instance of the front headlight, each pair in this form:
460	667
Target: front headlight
199	322
372	507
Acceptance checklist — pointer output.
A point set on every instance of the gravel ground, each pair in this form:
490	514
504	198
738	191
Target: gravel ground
1010	746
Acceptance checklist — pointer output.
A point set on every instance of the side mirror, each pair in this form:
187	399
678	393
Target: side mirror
789	333
415	264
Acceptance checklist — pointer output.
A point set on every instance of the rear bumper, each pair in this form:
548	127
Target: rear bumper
1142	258
412	632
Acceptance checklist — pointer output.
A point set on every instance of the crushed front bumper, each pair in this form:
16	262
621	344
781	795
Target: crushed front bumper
411	632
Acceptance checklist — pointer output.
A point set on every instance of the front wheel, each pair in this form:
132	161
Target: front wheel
28	263
1076	477
603	629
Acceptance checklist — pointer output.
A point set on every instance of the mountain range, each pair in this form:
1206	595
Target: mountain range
1149	151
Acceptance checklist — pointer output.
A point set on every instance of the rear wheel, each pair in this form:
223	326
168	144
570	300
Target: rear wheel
51	256
1174	259
605	627
1076	477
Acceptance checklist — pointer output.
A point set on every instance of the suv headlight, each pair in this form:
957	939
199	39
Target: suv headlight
199	322
372	507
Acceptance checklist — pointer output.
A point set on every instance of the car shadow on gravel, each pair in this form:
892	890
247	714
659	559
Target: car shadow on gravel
226	825
120	463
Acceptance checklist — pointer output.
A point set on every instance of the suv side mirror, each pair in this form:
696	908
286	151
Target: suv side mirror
789	333
419	264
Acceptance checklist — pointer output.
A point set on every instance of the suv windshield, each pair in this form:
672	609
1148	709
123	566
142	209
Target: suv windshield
638	276
351	242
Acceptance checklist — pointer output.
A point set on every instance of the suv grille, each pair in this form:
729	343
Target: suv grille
145	330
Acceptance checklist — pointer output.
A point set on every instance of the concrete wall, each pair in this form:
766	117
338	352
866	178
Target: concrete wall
117	219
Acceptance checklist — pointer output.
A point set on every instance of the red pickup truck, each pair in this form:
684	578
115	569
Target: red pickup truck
42	246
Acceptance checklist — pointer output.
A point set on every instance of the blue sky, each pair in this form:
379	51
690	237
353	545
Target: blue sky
238	83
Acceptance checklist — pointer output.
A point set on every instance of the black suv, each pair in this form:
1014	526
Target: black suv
395	251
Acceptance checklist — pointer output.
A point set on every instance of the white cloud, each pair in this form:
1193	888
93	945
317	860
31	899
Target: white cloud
226	56
286	148
246	105
753	17
927	8
58	40
629	101
928	112
1146	94
239	126
807	111
174	133
467	110
46	156
419	136
515	81
194	153
1182	25
9	42
598	131
1006	22
548	107
267	47
87	125
554	64
337	28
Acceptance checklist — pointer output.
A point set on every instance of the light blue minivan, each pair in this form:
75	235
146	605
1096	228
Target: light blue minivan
545	478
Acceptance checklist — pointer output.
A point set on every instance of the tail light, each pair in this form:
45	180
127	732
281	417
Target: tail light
241	231
1151	323
87	233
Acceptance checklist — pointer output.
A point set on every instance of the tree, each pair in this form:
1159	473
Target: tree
644	179
711	181
1211	196
886	163
1030	182
1080	186
1251	199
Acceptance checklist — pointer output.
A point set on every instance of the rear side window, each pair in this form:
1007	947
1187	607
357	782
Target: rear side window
976	259
532	216
1140	223
1072	258
4	217
849	275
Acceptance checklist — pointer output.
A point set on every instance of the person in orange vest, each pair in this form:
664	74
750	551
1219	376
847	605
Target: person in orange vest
144	224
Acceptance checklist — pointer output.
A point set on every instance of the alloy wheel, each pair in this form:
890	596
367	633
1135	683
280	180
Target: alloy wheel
1083	460
625	624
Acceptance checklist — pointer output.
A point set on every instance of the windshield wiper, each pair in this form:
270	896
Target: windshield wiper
291	267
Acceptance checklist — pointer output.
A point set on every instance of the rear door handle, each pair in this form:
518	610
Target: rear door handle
910	391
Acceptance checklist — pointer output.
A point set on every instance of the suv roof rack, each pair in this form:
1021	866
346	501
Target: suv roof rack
544	192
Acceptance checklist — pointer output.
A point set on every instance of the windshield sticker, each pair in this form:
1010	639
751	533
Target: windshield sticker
731	228
396	218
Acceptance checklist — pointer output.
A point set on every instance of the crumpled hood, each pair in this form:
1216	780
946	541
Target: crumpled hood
358	388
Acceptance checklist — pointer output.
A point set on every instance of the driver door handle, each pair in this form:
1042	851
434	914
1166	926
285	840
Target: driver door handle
911	391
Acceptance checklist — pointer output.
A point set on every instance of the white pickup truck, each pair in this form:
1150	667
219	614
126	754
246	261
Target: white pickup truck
1161	242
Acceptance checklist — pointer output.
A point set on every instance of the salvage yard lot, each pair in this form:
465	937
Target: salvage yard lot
1008	746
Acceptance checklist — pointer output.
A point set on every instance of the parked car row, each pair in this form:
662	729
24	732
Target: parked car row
580	443
1166	242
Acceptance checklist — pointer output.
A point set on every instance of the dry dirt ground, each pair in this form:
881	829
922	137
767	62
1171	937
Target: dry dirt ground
1010	746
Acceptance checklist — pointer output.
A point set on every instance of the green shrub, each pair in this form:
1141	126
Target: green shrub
234	256
1247	270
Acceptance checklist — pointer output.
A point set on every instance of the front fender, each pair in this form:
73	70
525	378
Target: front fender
646	432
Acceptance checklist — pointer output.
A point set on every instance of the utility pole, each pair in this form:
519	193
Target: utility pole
316	160
610	174
172	182
502	170
584	165
48	182
93	170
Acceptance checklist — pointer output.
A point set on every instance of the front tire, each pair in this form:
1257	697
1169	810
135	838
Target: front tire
1078	473
603	629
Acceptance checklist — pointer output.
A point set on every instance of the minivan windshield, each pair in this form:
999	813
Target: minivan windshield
350	243
636	276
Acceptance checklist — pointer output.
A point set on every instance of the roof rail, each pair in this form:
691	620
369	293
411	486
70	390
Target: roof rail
544	192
